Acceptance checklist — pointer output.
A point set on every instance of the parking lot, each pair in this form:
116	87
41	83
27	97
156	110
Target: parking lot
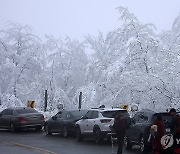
30	141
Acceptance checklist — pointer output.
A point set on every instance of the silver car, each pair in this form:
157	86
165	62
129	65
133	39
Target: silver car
21	117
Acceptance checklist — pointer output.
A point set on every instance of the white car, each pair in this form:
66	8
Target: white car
96	123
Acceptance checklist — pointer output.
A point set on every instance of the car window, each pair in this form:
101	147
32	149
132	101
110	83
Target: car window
9	112
110	114
26	110
146	117
58	115
143	117
137	117
88	115
64	115
68	115
4	112
79	113
94	114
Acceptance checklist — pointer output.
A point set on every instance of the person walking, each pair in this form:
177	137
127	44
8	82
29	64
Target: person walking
119	127
157	131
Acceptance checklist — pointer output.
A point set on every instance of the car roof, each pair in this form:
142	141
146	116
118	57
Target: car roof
147	111
108	109
69	110
153	112
17	108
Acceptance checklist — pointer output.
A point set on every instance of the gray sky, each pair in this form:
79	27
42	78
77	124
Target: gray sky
76	18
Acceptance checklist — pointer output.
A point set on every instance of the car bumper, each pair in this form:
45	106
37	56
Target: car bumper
29	125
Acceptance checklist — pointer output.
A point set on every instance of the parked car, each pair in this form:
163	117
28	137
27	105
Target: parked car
21	117
63	122
95	124
139	130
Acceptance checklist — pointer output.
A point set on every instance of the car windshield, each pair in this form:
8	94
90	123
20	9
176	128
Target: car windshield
110	114
78	113
25	110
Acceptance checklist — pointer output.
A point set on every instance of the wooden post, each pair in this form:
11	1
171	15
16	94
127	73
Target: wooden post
45	101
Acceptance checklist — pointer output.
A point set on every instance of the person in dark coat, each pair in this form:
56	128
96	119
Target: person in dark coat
120	130
158	134
174	121
173	126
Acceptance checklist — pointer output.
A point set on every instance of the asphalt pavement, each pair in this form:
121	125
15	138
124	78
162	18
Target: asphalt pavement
33	142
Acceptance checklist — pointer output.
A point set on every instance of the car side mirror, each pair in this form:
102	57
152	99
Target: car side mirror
84	117
54	118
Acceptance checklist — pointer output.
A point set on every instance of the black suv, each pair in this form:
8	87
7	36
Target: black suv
138	132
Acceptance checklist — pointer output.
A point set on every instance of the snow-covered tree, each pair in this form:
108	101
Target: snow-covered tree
67	66
20	67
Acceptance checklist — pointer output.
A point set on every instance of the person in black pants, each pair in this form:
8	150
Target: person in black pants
120	130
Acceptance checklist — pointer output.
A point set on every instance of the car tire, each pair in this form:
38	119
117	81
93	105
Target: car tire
97	135
12	127
127	144
65	132
79	136
46	129
141	143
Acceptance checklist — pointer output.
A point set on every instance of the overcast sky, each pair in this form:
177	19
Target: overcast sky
76	18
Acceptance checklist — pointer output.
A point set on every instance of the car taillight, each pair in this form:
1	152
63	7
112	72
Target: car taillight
42	117
105	120
21	119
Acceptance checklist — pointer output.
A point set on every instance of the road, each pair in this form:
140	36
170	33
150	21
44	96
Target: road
33	142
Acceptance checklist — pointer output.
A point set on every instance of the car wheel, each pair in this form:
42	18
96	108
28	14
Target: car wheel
38	128
46	129
97	135
65	132
79	136
127	144
12	127
142	144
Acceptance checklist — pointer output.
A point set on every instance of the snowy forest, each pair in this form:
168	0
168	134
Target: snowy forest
129	65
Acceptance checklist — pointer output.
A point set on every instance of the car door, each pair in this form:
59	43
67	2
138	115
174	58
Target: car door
84	122
141	123
91	122
131	131
54	122
7	117
2	117
61	120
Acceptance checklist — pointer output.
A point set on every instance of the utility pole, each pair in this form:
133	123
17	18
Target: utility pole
45	101
80	100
